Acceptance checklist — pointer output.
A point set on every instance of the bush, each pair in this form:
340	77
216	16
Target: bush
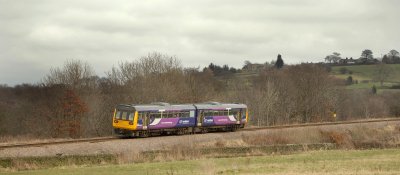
373	89
395	86
349	80
343	70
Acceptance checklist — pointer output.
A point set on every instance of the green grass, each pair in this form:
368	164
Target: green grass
368	85
386	161
367	73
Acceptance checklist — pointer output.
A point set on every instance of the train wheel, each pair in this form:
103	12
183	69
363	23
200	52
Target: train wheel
233	128
144	134
180	131
204	130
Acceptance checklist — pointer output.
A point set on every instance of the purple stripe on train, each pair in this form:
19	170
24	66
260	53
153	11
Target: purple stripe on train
218	120
164	123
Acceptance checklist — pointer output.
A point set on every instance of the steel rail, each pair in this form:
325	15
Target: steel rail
321	124
97	139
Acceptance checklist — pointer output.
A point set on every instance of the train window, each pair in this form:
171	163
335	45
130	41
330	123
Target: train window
118	115
140	115
160	115
191	114
153	115
130	116
234	112
215	113
175	115
168	115
145	116
221	113
124	116
185	114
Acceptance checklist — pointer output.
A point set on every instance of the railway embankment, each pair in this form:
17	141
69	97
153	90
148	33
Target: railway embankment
377	135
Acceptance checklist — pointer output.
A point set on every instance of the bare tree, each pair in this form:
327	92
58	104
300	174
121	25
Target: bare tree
394	56
382	73
393	53
75	73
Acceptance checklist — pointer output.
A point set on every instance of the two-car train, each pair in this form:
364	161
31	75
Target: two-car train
163	118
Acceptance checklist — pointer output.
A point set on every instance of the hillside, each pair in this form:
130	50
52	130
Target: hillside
364	75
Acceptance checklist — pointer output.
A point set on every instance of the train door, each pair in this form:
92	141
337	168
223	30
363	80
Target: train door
240	116
235	113
145	120
243	115
200	118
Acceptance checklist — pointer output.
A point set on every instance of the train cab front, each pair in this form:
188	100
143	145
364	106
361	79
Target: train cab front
124	120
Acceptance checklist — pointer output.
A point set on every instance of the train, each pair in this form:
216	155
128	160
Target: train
143	120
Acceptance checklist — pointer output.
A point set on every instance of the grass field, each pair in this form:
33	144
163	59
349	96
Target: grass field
364	74
380	161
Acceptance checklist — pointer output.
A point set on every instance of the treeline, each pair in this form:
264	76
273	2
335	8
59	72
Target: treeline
72	101
367	57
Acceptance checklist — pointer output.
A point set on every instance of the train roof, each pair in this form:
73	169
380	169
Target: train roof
179	107
219	106
159	106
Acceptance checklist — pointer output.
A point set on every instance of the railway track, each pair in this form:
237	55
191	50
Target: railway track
321	124
97	139
101	139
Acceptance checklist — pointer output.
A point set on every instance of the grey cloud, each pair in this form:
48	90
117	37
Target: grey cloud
37	35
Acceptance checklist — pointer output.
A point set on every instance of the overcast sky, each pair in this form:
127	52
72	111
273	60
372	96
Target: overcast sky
40	34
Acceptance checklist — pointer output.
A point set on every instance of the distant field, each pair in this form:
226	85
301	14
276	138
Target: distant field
386	161
364	74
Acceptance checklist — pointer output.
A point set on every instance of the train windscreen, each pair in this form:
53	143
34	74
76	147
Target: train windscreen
124	113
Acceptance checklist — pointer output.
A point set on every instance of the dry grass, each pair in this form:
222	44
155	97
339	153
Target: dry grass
263	142
6	140
266	139
357	136
33	163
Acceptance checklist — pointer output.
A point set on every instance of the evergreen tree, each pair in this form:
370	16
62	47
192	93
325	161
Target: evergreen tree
386	59
279	62
367	54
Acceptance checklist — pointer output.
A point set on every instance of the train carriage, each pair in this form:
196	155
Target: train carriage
217	116
141	120
159	118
